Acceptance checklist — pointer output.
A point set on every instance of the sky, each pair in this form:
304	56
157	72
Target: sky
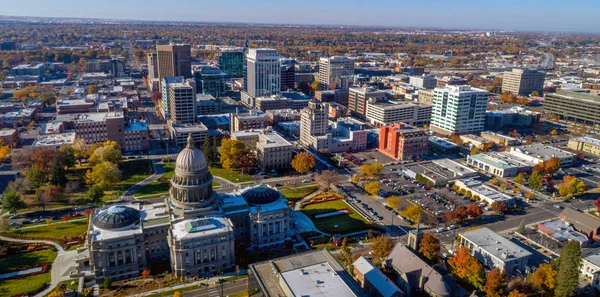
520	15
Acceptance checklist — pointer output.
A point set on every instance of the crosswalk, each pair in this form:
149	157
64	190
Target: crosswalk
214	292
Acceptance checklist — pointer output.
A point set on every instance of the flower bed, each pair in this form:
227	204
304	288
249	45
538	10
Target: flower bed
24	271
323	197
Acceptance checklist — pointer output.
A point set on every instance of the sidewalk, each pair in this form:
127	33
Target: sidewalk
211	281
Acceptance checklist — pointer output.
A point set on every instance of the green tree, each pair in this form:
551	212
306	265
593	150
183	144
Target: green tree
372	188
35	177
67	156
535	180
104	175
568	271
110	151
58	175
209	148
95	193
11	201
521	178
107	283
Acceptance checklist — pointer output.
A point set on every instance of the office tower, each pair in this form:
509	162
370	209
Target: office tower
458	109
313	122
288	77
523	81
573	107
263	72
166	102
231	61
182	97
153	81
210	81
174	60
335	72
358	97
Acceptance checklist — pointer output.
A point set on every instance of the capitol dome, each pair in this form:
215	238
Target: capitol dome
191	185
116	217
190	159
260	195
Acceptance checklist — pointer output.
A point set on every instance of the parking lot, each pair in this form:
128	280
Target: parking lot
590	174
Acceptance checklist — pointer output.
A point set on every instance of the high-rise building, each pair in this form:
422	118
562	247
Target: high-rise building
211	81
165	104
313	122
231	61
182	101
153	71
358	97
263	72
288	77
450	81
335	72
400	111
458	109
403	142
523	81
174	60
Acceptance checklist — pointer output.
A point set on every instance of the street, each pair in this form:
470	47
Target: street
214	291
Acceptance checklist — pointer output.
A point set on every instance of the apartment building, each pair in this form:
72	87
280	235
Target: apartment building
182	99
403	142
425	96
523	81
335	72
112	126
358	98
396	111
253	119
458	109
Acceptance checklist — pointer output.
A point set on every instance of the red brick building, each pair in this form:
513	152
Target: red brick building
403	142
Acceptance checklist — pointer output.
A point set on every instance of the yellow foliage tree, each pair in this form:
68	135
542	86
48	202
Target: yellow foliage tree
104	175
412	212
371	170
4	151
303	162
228	149
394	202
372	188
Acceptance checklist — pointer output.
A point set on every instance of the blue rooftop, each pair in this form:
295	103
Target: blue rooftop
136	126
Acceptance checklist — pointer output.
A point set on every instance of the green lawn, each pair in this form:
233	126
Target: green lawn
295	193
345	223
26	284
231	175
133	172
156	188
55	231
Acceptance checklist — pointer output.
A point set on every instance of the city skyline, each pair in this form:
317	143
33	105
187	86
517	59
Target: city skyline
536	15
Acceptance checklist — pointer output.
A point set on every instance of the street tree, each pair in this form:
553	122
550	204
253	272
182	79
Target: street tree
303	162
520	178
412	213
429	247
372	188
394	202
228	149
326	178
571	185
474	211
371	170
552	166
535	180
4	151
499	207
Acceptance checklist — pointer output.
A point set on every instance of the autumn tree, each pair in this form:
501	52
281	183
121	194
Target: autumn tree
177	294
104	175
92	89
80	150
412	213
54	193
597	204
455	216
4	151
571	186
395	202
228	149
244	159
381	246
11	201
371	170
303	162
466	267
495	283
499	207
429	246
544	278
145	273
516	293
372	188
552	166
474	211
326	178
568	270
520	178
456	138
110	151
494	181
535	181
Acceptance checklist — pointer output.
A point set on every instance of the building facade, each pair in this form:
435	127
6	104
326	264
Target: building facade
211	81
174	60
358	98
253	119
573	107
585	144
458	109
231	61
403	142
523	81
263	73
389	112
335	72
424	81
182	100
165	103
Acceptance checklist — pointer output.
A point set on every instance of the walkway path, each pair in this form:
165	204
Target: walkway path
308	197
210	281
57	265
158	172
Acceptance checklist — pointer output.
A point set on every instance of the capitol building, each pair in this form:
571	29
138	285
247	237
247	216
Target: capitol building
195	229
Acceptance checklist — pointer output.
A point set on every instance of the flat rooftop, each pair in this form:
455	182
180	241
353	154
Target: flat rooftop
316	280
200	227
270	139
478	187
543	151
59	139
588	140
7	132
494	244
97	117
